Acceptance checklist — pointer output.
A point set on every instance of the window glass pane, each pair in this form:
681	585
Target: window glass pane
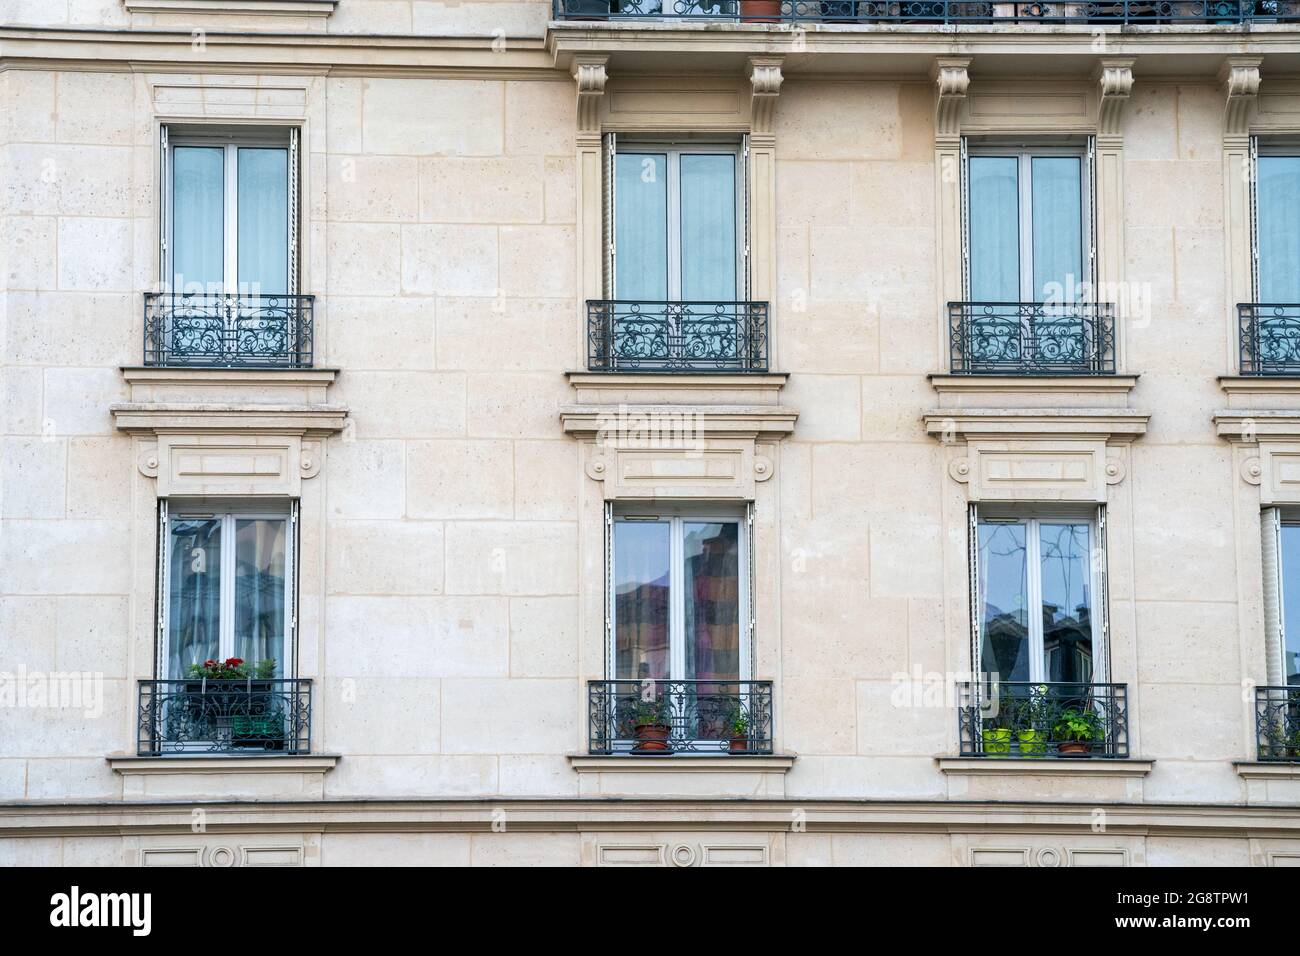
1065	564
641	226
642	557
708	222
194	594
711	554
263	221
1291	602
260	590
994	195
1278	218
1058	227
1004	601
198	218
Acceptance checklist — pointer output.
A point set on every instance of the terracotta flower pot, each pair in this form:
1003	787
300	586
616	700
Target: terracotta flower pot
651	739
760	11
738	745
1077	748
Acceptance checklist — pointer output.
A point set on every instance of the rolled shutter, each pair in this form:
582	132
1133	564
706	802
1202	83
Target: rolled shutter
964	190
1101	631
294	209
609	210
747	281
164	207
160	594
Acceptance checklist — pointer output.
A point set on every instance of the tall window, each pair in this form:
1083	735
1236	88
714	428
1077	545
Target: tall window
229	213
1029	221
1036	602
677	220
679	597
1290	538
1277	226
226	585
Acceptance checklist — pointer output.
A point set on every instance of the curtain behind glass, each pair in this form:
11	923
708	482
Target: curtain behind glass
1065	563
263	221
1056	182
1004	609
1291	602
641	226
194	595
994	197
260	590
198	218
1278	224
711	553
642	556
708	225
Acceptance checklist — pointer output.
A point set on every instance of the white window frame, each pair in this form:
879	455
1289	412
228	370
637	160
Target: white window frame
673	150
1024	154
1262	149
229	513
1032	518
231	143
676	517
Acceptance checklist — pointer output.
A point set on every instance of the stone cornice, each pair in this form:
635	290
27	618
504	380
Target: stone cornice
1112	425
576	815
296	8
944	382
1249	425
1012	766
711	421
160	418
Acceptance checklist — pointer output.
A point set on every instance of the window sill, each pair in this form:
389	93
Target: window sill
682	775
223	776
276	7
1267	770
1047	767
968	384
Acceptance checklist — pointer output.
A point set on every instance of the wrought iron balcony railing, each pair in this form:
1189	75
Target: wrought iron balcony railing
632	336
1269	337
196	715
664	717
1117	13
1042	720
228	330
1031	338
1277	723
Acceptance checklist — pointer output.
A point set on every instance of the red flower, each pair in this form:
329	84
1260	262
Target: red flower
209	663
234	661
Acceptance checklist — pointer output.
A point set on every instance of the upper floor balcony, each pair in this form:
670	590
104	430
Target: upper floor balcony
1031	338
635	336
1038	719
1268	335
659	718
214	330
1121	13
247	716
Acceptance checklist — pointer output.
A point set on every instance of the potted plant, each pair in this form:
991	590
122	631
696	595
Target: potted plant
216	688
586	9
650	727
996	731
738	727
1076	730
760	11
1031	734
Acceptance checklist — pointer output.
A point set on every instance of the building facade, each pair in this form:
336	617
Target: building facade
734	434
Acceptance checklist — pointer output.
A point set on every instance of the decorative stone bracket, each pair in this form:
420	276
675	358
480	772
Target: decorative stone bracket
590	75
765	85
952	79
1115	78
199	434
679	451
1240	78
1270	442
1037	454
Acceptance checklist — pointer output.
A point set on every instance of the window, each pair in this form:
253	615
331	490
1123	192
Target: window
679	598
1037	612
1281	536
677	222
229	212
226	586
1277	225
1028	224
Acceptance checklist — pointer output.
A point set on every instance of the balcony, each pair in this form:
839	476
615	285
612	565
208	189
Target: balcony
1277	723
631	336
934	11
228	331
1031	338
240	717
666	717
1269	338
1042	720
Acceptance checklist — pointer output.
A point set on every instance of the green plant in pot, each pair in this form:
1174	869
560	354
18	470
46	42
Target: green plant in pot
738	730
651	726
1076	729
997	728
1032	726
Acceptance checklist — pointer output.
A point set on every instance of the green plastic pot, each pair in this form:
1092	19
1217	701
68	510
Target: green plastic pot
997	741
1033	743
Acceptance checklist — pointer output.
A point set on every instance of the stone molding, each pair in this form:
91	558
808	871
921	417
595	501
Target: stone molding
223	776
1113	426
720	776
1012	766
313	8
